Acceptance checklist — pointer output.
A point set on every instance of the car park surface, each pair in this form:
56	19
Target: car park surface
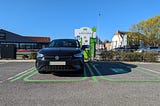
102	83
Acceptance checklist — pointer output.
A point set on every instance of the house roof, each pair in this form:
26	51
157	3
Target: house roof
39	39
120	33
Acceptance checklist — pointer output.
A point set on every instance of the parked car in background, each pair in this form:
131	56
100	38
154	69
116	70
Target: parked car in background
149	49
124	49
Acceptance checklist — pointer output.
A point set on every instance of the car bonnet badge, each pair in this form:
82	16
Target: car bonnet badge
56	57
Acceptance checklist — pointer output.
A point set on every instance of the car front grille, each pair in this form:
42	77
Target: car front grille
61	58
58	68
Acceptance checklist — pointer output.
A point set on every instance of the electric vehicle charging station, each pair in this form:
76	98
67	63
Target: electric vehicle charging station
87	36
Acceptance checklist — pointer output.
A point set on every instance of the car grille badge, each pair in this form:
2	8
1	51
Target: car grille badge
56	57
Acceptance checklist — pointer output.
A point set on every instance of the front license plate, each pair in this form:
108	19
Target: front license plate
57	63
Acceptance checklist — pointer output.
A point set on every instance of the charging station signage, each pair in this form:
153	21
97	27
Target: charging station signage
84	34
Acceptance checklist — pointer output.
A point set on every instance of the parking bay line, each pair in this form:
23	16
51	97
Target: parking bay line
27	79
93	76
33	72
3	63
145	72
116	80
20	75
149	70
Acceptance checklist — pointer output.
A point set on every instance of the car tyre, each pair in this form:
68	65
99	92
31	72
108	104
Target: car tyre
82	69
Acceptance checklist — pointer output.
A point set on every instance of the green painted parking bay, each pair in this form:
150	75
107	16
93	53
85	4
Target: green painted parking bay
95	71
33	76
36	77
119	72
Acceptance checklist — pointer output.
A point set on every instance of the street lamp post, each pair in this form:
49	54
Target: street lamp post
98	27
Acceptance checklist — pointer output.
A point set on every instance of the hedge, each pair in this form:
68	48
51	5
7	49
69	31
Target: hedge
33	55
128	56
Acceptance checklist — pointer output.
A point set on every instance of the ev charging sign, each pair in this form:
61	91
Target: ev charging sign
85	38
84	34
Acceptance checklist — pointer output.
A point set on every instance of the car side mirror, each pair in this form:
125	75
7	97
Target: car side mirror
85	47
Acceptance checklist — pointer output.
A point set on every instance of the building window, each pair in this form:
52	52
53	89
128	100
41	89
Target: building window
2	36
17	45
28	45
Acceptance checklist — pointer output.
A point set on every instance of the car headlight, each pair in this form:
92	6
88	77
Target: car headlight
79	54
40	56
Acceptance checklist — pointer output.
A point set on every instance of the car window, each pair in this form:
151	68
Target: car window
64	43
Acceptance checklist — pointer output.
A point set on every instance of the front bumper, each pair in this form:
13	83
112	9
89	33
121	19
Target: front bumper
71	65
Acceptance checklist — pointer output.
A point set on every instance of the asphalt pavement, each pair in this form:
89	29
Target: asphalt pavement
102	84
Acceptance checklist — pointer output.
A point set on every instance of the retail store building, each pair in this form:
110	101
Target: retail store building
23	42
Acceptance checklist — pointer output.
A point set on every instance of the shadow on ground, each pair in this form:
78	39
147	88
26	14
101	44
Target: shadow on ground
104	68
112	68
68	74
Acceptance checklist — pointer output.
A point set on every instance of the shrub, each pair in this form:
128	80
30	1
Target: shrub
107	55
149	57
129	56
33	55
24	56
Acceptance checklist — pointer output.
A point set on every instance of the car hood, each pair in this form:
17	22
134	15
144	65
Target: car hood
60	51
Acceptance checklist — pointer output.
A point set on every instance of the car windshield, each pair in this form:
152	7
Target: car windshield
65	43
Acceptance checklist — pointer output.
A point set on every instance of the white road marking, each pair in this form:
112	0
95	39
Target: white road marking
3	63
20	73
157	72
153	71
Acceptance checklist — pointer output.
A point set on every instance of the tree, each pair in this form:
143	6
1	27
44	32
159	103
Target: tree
150	28
134	39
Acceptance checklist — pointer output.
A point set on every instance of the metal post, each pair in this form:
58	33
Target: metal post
99	14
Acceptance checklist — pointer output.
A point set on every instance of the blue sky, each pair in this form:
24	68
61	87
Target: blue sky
59	18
